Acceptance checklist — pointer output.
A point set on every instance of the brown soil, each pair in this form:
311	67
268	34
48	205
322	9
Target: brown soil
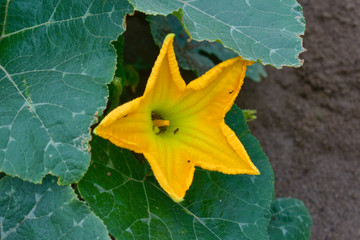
308	120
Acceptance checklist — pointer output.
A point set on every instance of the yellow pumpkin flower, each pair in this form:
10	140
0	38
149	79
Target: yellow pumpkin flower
178	127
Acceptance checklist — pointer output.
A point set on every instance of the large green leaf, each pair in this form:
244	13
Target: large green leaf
55	61
256	72
193	55
122	192
46	211
264	30
290	220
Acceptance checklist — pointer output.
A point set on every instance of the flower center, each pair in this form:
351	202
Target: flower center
159	124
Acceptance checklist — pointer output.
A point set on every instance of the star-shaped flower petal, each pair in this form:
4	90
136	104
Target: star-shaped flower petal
178	126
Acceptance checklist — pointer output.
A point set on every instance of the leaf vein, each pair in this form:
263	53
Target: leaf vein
50	23
37	116
228	25
5	17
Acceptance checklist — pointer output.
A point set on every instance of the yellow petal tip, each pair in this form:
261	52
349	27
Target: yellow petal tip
170	36
177	200
94	131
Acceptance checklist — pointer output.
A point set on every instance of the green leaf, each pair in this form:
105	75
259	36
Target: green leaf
290	220
193	55
256	72
124	194
117	84
55	61
262	30
46	211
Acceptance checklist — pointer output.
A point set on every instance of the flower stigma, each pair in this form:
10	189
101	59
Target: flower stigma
159	124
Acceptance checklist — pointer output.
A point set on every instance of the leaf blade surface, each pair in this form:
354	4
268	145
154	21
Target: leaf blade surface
46	211
55	62
193	55
290	220
258	30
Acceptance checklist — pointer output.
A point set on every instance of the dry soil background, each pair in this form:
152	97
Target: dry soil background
308	120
